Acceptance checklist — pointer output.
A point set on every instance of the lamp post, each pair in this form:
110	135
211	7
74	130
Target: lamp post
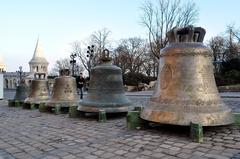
90	53
73	61
20	71
77	70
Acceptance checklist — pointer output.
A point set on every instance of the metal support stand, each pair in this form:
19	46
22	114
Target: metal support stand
133	120
102	116
196	132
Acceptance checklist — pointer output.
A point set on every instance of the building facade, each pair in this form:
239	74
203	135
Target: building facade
38	64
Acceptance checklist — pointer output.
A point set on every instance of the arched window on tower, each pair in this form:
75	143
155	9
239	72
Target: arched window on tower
14	83
6	83
10	84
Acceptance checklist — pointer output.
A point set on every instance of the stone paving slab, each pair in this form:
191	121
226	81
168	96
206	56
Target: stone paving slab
26	134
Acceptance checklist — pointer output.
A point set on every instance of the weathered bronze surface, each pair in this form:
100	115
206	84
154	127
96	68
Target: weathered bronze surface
106	89
22	92
186	90
64	92
39	92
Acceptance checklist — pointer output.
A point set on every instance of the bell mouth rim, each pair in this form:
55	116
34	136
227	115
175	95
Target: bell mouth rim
95	109
62	104
35	101
185	119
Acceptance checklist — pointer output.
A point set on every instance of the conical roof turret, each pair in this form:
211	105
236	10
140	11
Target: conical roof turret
38	56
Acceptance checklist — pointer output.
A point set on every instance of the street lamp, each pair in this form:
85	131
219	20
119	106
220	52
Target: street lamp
73	61
77	70
20	71
90	53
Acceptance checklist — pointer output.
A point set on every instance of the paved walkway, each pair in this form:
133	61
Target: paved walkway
26	134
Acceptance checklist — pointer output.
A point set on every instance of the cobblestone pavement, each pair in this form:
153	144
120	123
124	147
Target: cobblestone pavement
26	134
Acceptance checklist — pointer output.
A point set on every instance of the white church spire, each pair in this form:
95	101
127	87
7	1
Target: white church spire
38	63
38	55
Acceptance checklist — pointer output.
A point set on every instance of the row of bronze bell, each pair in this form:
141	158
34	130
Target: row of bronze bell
106	93
185	92
64	91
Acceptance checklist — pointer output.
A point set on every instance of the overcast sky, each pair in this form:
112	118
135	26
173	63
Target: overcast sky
60	22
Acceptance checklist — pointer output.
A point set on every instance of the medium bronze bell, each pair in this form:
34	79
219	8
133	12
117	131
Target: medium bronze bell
64	92
105	89
186	91
39	92
22	92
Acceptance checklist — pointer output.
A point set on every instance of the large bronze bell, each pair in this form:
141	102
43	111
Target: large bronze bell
22	92
105	89
186	91
39	92
64	92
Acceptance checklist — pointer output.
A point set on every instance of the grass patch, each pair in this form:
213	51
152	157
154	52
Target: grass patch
237	118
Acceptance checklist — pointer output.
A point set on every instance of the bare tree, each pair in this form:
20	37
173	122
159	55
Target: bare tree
120	58
82	54
161	16
218	46
100	39
225	47
89	56
131	54
233	36
65	64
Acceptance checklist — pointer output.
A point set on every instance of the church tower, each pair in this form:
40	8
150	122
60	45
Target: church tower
38	63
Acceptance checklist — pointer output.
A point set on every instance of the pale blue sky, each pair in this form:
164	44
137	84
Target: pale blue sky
60	22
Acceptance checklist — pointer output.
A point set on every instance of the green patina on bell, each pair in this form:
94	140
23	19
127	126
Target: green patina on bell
22	92
105	89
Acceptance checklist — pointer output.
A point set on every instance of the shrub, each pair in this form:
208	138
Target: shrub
232	77
232	64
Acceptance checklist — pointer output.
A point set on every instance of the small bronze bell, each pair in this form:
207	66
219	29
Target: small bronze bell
64	92
186	91
105	89
22	92
39	92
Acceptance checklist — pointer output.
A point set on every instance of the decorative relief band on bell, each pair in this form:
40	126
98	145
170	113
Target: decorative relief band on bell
189	108
166	75
186	54
195	102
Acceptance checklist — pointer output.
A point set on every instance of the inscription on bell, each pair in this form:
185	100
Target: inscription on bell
44	92
68	89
